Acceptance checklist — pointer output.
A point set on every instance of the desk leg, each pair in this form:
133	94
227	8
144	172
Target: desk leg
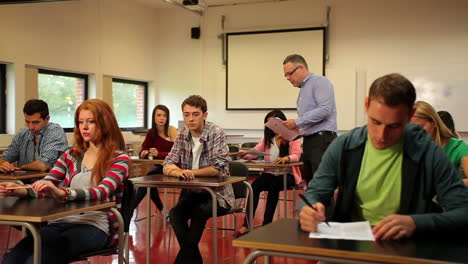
267	253
215	223
250	201
148	227
122	247
285	196
164	211
36	236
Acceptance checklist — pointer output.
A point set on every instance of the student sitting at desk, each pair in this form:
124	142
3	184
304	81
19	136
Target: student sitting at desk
200	149
271	180
93	169
388	172
456	149
157	144
39	144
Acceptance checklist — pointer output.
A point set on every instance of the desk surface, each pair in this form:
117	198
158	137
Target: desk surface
22	176
45	209
285	236
271	165
148	161
163	180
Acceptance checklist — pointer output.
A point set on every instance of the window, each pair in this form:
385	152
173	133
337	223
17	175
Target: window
130	103
63	92
2	98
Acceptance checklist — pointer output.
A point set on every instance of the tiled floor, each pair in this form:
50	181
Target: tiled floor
161	250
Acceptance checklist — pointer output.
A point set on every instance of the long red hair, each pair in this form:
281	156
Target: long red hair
108	135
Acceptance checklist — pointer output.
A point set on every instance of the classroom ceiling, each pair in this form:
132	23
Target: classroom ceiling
209	3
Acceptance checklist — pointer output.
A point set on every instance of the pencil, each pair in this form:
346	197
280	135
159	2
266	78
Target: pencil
17	187
310	205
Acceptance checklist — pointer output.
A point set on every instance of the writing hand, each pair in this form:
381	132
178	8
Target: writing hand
394	227
310	218
282	160
16	192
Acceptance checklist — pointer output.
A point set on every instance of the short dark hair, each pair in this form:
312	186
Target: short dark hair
195	101
296	59
394	89
36	106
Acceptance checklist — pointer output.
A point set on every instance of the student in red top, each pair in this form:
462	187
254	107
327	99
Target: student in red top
157	144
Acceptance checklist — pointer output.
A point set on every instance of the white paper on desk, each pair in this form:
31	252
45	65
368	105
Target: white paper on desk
277	126
255	152
351	231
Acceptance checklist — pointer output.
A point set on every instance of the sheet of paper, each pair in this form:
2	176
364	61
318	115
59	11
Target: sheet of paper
351	231
277	126
255	152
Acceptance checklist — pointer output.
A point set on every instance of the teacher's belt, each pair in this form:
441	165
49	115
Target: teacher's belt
321	133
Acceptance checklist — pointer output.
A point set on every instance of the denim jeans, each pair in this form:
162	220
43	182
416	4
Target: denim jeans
60	243
196	207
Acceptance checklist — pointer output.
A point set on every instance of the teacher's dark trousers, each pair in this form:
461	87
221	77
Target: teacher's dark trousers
313	148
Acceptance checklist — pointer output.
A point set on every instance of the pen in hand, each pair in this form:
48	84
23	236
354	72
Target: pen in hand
310	205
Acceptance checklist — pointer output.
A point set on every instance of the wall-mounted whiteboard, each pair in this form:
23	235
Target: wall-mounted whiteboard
442	86
254	69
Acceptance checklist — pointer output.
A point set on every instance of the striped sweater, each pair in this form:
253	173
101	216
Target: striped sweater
109	189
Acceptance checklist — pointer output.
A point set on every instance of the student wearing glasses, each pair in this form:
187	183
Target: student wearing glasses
316	110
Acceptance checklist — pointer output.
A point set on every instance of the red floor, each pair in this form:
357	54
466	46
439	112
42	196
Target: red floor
161	251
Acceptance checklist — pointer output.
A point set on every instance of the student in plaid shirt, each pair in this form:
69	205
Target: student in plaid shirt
200	149
39	144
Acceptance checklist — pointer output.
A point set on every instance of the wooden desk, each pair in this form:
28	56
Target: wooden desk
284	238
146	165
30	213
284	167
208	184
148	161
22	176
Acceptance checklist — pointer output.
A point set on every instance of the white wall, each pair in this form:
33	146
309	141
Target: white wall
99	37
123	38
366	37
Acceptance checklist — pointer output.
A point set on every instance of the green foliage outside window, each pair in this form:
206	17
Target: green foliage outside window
126	106
60	93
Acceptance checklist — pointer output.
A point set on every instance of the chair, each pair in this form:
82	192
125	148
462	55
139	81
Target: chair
233	149
248	145
240	195
126	215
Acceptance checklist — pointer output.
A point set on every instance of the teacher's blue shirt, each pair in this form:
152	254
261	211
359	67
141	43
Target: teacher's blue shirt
316	105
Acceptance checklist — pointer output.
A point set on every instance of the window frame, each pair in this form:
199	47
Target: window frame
145	104
3	98
68	74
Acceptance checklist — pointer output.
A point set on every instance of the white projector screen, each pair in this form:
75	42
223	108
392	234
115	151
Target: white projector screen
254	70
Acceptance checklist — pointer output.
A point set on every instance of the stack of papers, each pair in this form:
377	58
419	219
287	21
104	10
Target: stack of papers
277	126
350	231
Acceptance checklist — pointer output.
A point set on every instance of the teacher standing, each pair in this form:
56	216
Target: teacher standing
316	110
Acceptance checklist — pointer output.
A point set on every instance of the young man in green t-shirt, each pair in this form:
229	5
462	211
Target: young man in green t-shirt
388	172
